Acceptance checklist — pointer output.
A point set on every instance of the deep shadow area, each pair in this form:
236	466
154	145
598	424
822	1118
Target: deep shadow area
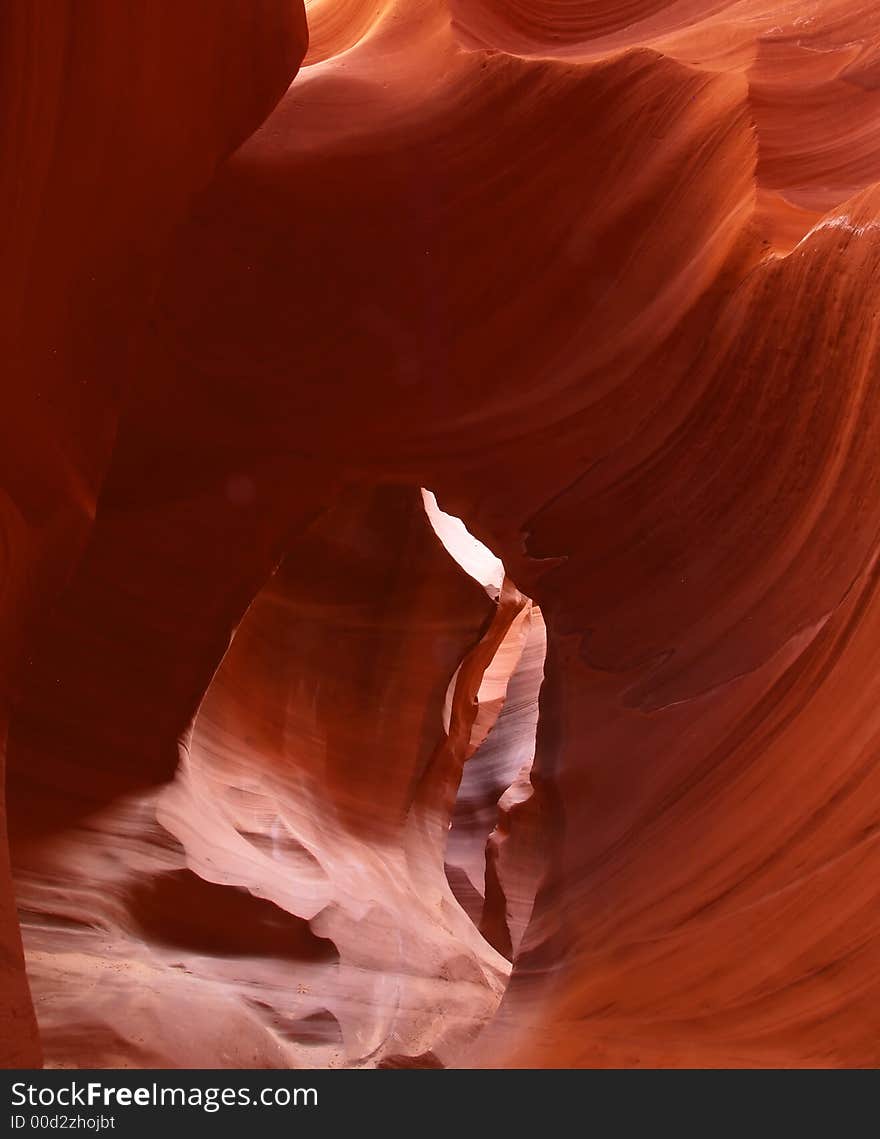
180	909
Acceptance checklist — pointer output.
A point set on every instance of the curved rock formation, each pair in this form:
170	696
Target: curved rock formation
603	277
290	880
114	118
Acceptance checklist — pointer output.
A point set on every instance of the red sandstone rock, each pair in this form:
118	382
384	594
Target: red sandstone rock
113	117
601	275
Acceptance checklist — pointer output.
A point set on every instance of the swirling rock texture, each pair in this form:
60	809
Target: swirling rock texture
300	775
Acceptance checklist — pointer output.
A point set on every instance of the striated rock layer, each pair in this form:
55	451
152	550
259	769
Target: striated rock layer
286	749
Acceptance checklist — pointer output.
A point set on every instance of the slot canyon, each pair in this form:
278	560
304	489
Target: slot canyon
439	534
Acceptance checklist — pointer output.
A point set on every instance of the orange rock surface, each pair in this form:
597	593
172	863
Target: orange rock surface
297	773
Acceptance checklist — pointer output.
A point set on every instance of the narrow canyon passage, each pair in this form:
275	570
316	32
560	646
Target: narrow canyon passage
495	855
286	783
285	901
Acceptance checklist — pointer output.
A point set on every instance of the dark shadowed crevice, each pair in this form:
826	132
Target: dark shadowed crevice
181	910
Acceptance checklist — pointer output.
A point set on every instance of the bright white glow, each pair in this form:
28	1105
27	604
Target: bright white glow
844	222
473	557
